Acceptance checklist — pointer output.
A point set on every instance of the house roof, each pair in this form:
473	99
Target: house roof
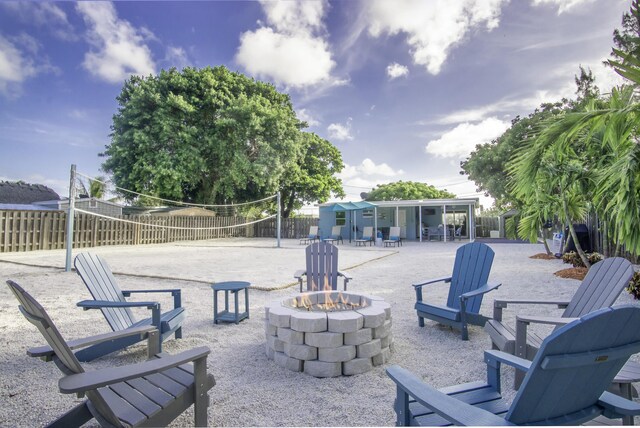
404	203
23	193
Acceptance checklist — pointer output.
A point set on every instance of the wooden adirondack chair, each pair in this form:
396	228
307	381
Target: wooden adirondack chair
336	235
152	393
394	237
565	383
322	268
110	299
312	236
468	285
600	288
367	236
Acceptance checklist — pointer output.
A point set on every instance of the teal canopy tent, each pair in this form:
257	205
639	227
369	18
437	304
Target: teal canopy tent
352	206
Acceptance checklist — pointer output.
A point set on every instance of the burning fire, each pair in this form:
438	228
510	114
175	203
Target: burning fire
329	301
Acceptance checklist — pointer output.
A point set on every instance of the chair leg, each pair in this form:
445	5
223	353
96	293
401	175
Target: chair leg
420	322
178	334
201	399
77	416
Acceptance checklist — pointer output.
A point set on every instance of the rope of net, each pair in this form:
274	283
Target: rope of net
172	227
172	201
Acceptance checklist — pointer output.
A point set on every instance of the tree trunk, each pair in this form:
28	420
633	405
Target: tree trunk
572	231
546	244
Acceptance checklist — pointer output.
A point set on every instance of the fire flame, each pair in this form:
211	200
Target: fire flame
329	301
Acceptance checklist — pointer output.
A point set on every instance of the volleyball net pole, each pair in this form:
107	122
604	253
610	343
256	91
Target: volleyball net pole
278	220
70	215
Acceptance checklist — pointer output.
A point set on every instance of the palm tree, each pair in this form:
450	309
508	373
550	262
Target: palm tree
97	187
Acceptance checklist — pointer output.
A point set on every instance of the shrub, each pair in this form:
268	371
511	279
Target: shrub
634	286
574	259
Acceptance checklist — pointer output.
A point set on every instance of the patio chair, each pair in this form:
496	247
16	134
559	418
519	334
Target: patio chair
110	299
152	393
367	236
394	237
322	268
336	235
565	383
312	236
468	285
600	288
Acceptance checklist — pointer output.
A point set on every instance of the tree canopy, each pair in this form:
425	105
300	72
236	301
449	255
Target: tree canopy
406	190
214	136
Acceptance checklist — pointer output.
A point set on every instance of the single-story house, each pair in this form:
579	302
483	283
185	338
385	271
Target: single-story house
412	216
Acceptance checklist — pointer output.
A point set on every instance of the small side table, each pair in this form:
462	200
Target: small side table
234	287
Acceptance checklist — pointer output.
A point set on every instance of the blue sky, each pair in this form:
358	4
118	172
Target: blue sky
404	88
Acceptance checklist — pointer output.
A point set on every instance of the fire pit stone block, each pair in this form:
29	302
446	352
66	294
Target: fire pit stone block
345	322
383	331
337	355
374	316
290	336
322	369
325	339
280	316
368	350
359	337
301	352
309	322
357	366
289	363
386	341
382	357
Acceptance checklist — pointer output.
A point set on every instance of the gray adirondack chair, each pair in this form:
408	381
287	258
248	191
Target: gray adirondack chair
312	236
565	383
367	236
152	393
468	285
394	237
336	235
110	299
600	288
322	268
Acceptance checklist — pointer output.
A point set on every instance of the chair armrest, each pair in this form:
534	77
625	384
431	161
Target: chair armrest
443	279
451	409
544	320
81	382
508	359
299	274
98	304
503	303
616	406
46	351
175	292
481	290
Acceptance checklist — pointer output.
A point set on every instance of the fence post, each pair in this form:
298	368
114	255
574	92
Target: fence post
72	200
278	221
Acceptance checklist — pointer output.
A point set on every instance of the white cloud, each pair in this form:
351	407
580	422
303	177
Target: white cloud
43	14
291	49
366	176
462	140
118	48
432	28
176	57
339	131
20	59
396	70
304	115
563	5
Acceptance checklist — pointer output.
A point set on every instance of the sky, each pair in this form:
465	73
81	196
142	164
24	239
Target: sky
405	89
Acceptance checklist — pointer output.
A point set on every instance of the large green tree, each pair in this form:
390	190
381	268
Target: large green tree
314	178
212	136
406	190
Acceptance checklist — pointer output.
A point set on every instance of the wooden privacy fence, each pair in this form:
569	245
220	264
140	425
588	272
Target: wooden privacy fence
45	230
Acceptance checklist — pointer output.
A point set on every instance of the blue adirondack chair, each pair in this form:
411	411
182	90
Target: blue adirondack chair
565	384
394	237
151	393
110	299
468	285
322	268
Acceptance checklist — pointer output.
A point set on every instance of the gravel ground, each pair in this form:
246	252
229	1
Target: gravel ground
251	390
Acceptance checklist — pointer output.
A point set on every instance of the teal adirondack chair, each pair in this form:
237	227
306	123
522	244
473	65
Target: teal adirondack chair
394	237
565	384
322	268
151	393
110	299
468	285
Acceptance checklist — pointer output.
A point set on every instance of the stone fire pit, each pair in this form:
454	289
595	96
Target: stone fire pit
348	337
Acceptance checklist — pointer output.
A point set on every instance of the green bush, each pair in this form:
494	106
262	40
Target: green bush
634	286
574	259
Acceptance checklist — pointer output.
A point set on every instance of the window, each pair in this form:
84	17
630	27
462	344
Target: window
341	218
367	213
93	203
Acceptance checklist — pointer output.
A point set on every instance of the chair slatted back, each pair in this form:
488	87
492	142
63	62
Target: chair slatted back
367	232
322	266
96	275
65	359
336	231
575	365
470	271
394	233
601	287
313	232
